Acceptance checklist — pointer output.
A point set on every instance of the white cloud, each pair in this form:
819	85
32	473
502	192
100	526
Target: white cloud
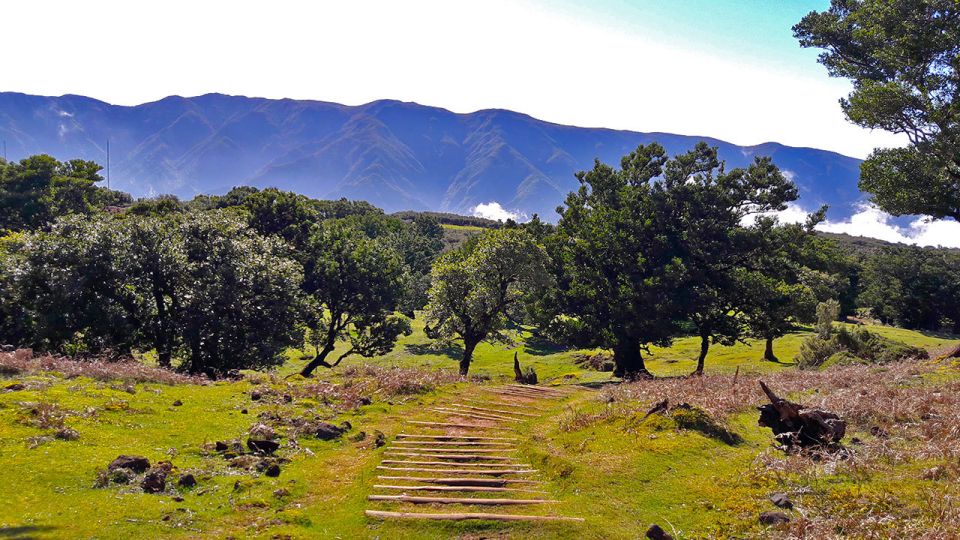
872	222
493	210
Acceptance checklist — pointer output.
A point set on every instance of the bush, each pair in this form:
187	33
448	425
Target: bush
846	346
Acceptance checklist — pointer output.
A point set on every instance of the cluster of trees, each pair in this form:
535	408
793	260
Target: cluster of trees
213	284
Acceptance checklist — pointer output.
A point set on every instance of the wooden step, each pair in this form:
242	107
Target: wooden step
450	425
461	481
456	457
472	414
457	500
464	437
461	517
457	443
544	389
515	413
448	463
527	407
488	472
451	450
477	489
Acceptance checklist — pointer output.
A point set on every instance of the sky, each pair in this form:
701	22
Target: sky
726	69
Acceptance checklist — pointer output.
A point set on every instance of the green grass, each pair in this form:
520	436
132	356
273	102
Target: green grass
620	474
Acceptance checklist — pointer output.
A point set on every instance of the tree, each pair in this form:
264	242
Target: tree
354	286
902	57
38	189
474	287
641	250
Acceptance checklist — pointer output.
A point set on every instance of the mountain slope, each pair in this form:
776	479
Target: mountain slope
393	154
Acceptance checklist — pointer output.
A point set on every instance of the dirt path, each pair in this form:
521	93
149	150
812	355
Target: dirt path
463	464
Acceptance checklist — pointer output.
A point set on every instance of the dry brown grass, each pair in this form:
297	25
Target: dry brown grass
23	362
897	477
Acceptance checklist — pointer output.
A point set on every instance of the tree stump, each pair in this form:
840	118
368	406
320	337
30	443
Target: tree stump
795	426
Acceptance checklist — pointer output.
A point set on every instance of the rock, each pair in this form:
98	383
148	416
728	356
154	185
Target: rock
327	432
136	464
178	499
781	500
7	348
655	532
177	403
228	446
155	480
244	462
273	470
346	426
15	387
365	400
255	395
262	447
120	476
281	493
67	434
773	518
186	480
379	439
262	432
243	411
287	398
359	436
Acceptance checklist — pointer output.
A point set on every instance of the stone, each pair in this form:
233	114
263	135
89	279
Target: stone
281	493
262	447
186	480
773	518
177	403
244	411
273	470
781	500
244	462
120	476
155	480
255	395
137	464
262	432
655	532
327	432
15	387
67	434
379	439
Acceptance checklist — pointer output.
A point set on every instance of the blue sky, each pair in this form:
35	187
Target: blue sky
730	70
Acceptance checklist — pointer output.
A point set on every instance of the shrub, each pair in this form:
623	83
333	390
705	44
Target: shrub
846	346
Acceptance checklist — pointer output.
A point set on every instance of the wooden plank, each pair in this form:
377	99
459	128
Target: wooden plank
473	414
464	437
524	406
461	517
448	463
457	500
455	457
544	389
461	481
452	450
477	489
515	413
450	425
515	392
490	472
458	443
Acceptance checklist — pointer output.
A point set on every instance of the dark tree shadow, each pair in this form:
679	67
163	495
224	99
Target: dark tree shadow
539	346
449	350
24	532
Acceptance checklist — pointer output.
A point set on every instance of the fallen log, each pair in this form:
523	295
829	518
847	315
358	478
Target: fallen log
795	426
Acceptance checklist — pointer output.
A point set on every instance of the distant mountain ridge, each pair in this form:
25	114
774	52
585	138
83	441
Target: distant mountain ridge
394	154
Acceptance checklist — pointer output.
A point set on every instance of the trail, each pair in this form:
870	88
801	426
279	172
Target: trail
464	464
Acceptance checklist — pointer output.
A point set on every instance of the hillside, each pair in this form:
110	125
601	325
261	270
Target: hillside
397	155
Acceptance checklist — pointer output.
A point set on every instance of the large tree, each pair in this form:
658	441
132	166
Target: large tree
354	285
475	287
641	249
903	58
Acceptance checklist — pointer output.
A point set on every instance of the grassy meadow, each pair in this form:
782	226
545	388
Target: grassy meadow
602	458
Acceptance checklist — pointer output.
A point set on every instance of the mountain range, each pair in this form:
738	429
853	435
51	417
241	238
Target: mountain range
397	155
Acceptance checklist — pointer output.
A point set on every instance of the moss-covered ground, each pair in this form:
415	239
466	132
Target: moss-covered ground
620	472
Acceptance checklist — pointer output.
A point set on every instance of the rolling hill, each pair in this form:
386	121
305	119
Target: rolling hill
394	154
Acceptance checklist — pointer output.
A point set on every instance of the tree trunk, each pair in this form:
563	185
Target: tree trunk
319	360
628	360
768	351
704	349
468	346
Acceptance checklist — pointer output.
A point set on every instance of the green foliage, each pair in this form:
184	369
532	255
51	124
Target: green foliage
202	287
902	57
476	288
353	285
38	189
659	242
913	287
846	346
827	312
